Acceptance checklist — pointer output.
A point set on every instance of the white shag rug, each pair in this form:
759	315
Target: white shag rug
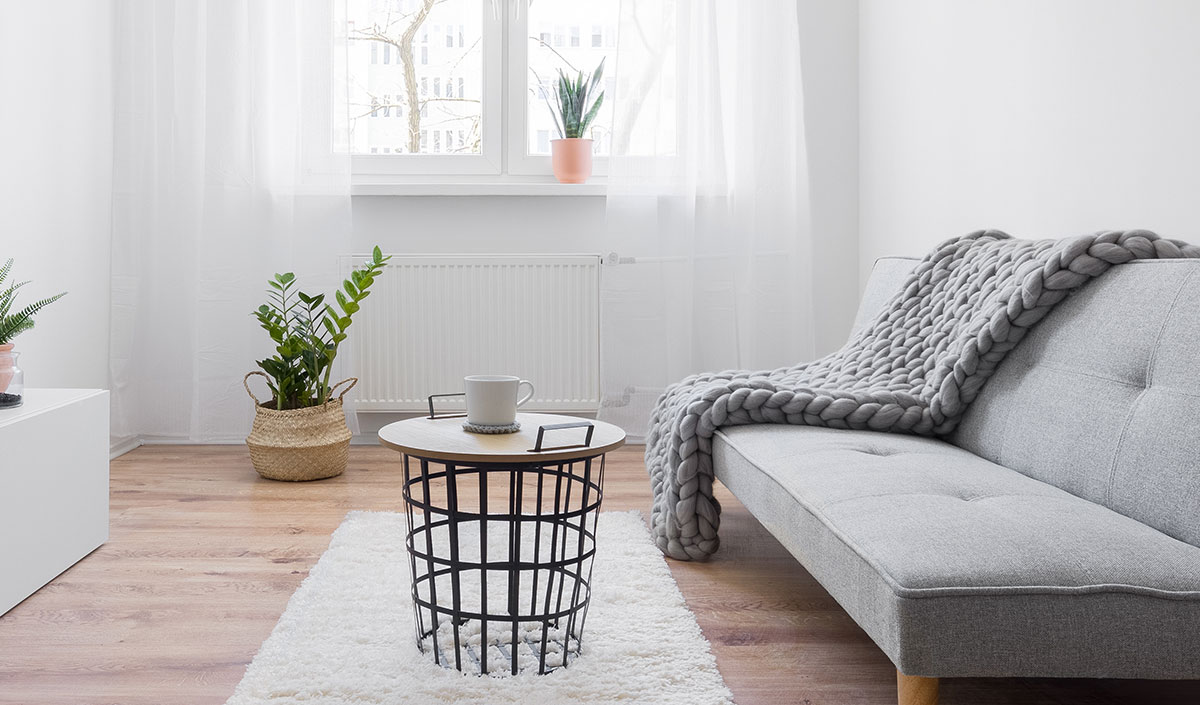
347	635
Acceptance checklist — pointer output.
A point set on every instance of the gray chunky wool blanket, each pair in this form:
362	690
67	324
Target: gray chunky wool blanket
914	369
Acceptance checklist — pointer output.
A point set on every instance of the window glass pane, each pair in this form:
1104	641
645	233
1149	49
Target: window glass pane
555	31
392	115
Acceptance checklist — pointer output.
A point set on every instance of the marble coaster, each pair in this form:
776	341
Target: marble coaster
483	428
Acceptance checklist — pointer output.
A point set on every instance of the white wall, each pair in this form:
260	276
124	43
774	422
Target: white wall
1043	118
829	58
479	224
55	181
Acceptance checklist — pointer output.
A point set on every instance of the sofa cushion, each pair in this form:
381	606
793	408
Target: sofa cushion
1102	398
957	566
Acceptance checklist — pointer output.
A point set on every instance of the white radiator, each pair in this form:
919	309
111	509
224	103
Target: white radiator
432	319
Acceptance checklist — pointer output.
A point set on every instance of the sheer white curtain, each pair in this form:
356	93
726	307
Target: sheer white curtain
707	200
229	166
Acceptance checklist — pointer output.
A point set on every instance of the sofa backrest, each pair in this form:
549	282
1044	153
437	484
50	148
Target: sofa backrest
887	277
1102	398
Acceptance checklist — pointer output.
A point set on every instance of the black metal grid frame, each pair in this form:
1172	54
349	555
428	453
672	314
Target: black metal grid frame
573	492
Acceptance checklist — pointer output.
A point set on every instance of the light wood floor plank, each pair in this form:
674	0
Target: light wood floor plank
204	555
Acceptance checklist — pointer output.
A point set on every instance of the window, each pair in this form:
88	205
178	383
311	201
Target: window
434	67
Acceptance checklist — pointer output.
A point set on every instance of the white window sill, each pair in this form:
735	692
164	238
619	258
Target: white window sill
376	185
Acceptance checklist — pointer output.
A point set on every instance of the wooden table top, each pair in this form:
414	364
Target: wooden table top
445	439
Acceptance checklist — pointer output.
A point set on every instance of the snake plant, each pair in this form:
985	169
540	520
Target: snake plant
12	322
307	332
571	99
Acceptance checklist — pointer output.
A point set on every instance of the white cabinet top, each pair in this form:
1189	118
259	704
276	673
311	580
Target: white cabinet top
39	401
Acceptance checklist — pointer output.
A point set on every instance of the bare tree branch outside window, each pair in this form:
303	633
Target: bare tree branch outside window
399	32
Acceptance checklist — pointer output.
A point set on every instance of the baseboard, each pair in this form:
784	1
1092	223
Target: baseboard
121	446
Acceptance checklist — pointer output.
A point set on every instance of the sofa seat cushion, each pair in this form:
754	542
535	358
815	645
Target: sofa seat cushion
957	566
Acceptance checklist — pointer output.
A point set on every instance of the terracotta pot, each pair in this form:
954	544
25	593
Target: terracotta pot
6	366
572	159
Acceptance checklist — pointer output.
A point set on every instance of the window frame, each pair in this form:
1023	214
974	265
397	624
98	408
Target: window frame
505	156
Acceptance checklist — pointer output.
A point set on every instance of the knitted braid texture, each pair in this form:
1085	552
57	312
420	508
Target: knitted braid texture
914	369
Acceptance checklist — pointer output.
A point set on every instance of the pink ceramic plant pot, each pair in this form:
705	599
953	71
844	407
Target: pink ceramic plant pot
572	159
6	366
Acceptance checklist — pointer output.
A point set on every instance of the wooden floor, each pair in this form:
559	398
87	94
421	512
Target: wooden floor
204	556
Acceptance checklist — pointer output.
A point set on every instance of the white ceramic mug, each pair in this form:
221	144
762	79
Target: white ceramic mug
492	399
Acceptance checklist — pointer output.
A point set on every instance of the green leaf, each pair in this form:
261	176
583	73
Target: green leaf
9	297
14	324
587	120
331	314
556	115
596	76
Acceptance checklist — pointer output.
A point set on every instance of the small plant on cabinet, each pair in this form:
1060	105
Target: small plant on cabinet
13	322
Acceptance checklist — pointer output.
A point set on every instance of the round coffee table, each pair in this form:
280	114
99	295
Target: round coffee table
501	537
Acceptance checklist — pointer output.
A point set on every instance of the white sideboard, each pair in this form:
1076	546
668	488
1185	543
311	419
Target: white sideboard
53	486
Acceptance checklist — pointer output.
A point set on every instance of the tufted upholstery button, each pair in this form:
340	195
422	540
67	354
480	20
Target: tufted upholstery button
877	451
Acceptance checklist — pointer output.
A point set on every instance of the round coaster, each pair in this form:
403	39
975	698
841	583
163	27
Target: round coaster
482	428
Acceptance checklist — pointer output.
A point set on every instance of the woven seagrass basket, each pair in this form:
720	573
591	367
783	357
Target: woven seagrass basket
299	444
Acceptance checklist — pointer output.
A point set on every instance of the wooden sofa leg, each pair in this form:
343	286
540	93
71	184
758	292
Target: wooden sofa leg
915	690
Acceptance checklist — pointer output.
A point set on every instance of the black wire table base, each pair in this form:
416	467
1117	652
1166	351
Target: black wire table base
502	585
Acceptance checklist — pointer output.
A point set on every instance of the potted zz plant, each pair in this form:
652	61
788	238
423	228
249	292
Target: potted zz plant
576	104
300	433
13	323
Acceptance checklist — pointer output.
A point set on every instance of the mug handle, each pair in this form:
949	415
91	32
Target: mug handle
528	396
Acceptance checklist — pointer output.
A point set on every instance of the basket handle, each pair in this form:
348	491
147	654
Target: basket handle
246	384
352	380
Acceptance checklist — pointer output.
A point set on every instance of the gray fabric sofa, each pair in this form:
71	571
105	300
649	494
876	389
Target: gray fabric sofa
1055	534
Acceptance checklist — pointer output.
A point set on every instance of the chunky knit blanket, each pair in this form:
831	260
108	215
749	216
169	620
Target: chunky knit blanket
914	369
